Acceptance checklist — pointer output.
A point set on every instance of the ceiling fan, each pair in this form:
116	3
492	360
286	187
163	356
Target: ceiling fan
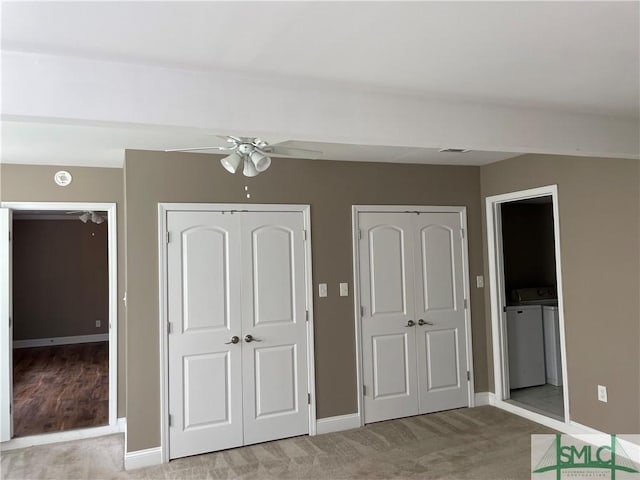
86	215
254	153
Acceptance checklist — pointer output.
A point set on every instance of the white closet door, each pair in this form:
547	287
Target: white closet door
441	340
205	386
388	342
275	376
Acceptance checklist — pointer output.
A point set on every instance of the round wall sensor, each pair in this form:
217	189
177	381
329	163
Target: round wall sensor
62	178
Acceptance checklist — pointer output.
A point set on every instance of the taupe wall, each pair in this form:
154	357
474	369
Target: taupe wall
60	278
599	235
331	188
34	183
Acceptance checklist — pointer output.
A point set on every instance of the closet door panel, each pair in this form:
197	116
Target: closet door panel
387	297
440	308
275	376
203	286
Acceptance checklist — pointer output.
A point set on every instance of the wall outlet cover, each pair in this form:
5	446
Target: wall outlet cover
98	323
344	289
602	393
322	289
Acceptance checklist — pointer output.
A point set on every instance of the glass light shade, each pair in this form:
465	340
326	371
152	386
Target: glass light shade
260	160
96	218
249	168
84	218
231	162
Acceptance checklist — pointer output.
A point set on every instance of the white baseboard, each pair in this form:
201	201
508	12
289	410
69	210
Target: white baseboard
57	437
338	423
43	342
484	398
143	458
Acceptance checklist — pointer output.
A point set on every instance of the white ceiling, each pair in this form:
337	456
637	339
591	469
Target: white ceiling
580	57
69	144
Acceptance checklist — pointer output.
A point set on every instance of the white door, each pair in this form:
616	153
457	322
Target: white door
240	275
274	329
412	287
440	310
6	327
205	371
388	334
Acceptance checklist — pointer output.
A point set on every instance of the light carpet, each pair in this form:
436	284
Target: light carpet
478	443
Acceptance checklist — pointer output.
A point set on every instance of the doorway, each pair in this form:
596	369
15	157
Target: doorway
59	297
526	303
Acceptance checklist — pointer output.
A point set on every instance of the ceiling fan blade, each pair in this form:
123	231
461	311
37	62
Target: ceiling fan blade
280	151
229	138
223	149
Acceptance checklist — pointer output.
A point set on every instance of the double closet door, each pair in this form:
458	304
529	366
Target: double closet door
414	339
238	332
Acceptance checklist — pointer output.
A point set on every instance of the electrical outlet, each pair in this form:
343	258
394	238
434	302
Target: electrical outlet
98	323
602	393
344	289
479	281
322	289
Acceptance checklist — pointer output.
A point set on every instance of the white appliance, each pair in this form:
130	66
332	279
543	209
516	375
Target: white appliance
525	344
552	345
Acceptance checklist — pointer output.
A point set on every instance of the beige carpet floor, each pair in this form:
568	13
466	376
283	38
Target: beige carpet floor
479	443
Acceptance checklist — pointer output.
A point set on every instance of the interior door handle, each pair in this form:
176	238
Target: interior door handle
251	338
411	323
235	339
422	322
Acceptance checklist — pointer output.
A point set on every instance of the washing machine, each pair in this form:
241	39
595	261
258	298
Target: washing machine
525	346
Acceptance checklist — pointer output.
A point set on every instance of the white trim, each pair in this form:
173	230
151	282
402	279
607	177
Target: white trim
498	300
112	239
484	398
163	209
143	458
6	328
47	438
44	342
338	423
357	209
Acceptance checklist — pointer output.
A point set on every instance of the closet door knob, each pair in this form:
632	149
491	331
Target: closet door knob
250	338
410	323
235	339
422	322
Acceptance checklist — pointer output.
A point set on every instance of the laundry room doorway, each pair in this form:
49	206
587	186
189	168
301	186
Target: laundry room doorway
526	303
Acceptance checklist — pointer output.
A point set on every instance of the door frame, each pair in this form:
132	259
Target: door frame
112	242
163	210
355	211
498	300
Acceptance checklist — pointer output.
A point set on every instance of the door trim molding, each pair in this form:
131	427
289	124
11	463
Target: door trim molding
163	210
112	242
497	295
338	423
357	209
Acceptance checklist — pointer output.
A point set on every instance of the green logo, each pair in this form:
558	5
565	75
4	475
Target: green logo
582	459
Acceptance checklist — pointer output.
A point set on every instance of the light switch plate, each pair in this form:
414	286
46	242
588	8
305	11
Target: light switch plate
479	281
322	289
344	289
98	323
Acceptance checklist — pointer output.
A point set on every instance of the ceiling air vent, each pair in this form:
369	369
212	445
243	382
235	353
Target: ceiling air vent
454	150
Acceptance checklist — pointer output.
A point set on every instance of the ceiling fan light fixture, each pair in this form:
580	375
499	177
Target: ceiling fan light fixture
97	218
231	162
249	168
260	160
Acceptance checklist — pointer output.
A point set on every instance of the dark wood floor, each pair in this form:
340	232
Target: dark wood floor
60	388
